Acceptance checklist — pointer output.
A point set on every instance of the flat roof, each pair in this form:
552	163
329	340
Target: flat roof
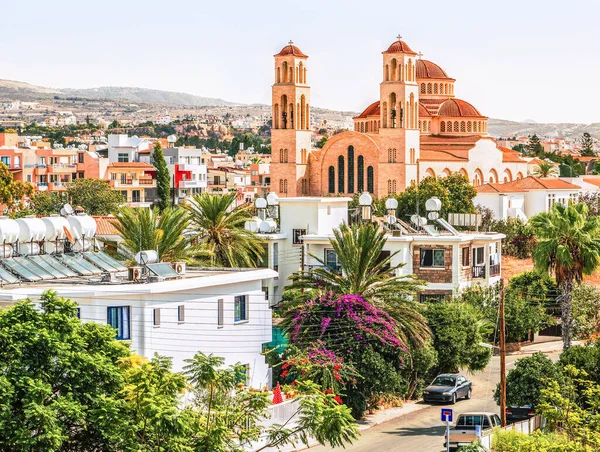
318	199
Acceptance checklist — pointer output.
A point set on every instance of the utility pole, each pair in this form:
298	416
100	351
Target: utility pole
502	358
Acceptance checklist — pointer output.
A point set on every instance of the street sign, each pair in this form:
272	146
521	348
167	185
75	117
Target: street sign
478	431
446	415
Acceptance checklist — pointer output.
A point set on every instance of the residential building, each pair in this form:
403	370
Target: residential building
135	180
122	148
260	178
54	168
187	167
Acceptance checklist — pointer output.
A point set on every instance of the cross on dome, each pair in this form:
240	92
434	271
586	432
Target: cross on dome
291	42
399	37
420	55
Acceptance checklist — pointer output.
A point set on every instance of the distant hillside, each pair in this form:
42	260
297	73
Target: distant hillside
501	127
14	90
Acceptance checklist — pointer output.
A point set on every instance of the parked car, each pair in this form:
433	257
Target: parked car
448	388
519	413
464	432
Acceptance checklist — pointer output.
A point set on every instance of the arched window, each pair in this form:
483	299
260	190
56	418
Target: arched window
303	122
301	72
435	88
276	116
304	76
341	174
462	126
285	72
468	126
389	186
297	75
410	69
419	123
278	78
456	126
429	126
393	69
443	126
422	88
350	169
331	179
304	186
360	169
285	186
370	180
387	73
394	186
429	88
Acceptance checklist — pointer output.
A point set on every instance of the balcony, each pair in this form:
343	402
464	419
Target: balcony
62	168
126	183
193	167
478	271
494	270
334	268
192	184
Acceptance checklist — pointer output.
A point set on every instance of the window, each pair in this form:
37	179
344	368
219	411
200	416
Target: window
240	308
5	160
551	200
478	256
181	313
220	313
79	313
370	180
275	256
296	236
361	174
123	157
341	184
156	317
331	259
119	318
80	157
331	179
432	297
465	257
432	258
350	169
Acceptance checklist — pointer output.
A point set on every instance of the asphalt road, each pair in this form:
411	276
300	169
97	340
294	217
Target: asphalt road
423	431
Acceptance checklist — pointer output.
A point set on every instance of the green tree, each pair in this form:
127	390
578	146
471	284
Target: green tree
569	246
586	311
526	380
366	271
534	147
46	204
583	357
571	167
587	145
147	229
545	169
520	148
95	196
218	223
12	191
321	142
458	329
163	178
60	380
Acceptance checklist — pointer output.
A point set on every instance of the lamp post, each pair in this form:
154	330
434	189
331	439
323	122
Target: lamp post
365	200
273	203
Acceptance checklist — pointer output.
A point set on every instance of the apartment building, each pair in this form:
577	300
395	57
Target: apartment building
187	167
135	181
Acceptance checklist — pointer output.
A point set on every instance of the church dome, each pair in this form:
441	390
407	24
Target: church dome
291	49
427	69
458	108
371	110
400	47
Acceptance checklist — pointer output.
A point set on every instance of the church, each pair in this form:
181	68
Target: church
417	128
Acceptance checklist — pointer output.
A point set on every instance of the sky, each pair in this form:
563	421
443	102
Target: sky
527	59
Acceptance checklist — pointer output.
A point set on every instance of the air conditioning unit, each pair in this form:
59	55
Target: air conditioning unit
396	233
179	267
134	273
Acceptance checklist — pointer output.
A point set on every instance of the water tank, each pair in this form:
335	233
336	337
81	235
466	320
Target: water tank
29	249
146	257
50	248
31	229
269	225
6	251
433	204
251	226
82	225
9	230
55	227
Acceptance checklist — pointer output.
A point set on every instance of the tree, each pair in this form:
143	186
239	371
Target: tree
520	148
571	167
583	357
147	229
227	415
569	246
216	222
12	192
545	169
458	329
526	380
586	311
163	178
367	272
520	238
60	379
95	196
46	204
321	142
587	145
534	147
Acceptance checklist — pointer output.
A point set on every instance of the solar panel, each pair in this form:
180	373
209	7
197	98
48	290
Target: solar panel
78	264
96	260
164	270
36	270
109	260
51	262
447	226
38	263
7	277
431	230
23	272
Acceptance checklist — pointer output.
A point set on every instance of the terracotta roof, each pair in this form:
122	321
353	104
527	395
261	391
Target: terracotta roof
423	111
427	69
592	180
441	156
452	140
400	47
526	184
371	110
105	225
458	108
508	155
131	165
291	49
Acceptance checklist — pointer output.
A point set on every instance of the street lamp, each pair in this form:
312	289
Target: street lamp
365	200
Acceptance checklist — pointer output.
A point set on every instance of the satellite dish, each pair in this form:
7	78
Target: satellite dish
391	203
433	204
260	203
68	209
272	199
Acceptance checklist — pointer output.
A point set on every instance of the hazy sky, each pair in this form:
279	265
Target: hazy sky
513	59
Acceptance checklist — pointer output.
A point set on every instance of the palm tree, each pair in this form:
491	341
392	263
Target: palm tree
365	271
569	246
219	224
545	169
256	160
148	229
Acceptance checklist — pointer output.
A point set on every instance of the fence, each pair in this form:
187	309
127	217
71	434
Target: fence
526	427
285	413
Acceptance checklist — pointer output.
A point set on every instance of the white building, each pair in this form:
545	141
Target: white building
122	148
188	170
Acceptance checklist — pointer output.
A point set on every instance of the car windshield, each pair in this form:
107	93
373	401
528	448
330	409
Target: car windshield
444	381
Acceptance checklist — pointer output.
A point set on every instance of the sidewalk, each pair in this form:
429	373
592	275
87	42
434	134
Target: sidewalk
545	346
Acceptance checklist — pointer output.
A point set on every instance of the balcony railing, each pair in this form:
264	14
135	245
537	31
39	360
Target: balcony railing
146	181
478	271
494	270
333	268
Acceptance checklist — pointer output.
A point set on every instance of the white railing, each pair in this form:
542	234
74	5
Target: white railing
526	427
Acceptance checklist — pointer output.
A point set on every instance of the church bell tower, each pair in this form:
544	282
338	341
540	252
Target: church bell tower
290	131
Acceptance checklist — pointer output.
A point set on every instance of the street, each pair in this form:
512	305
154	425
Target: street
423	431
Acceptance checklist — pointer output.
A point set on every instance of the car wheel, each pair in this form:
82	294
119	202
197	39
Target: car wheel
468	396
453	398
